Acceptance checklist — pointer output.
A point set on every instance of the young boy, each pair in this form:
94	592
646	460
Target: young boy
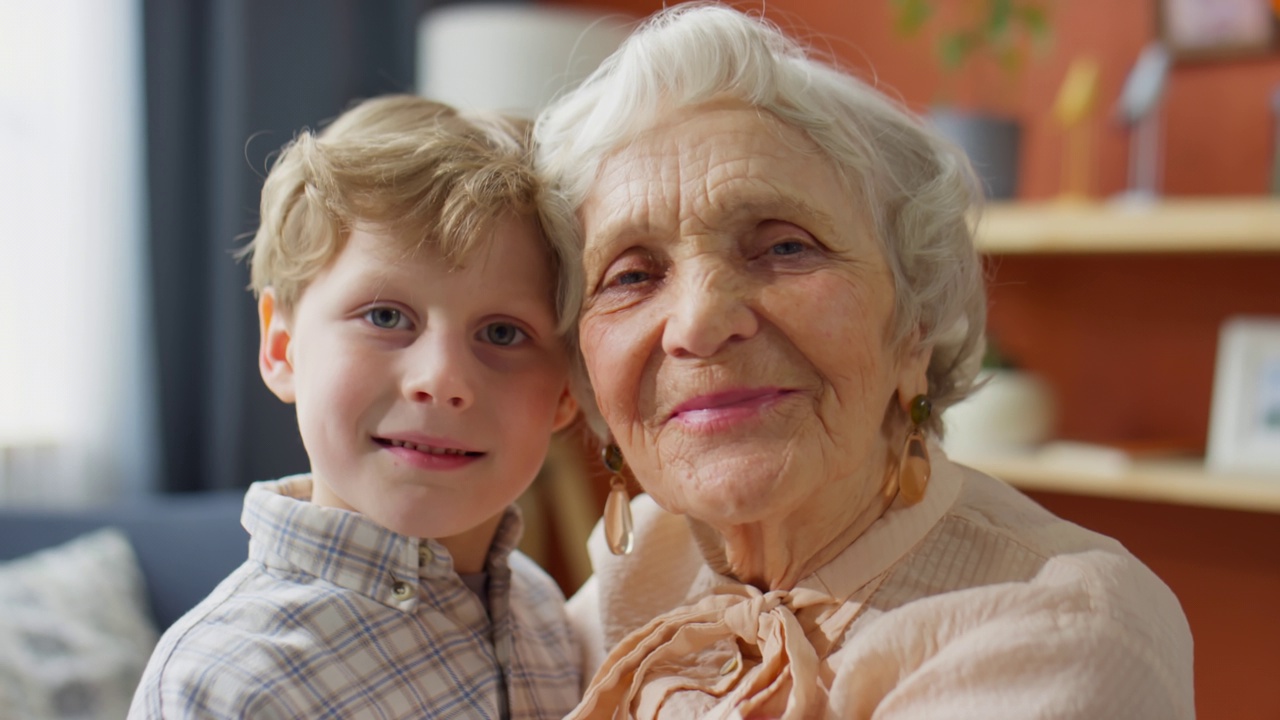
416	312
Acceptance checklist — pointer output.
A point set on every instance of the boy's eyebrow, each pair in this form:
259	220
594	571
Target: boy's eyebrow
376	280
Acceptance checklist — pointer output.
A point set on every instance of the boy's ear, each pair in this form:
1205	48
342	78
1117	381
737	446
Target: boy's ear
566	410
273	349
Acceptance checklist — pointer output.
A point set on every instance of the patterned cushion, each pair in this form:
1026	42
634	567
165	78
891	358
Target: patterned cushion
75	634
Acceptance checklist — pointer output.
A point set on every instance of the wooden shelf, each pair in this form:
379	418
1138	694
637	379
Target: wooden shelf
1173	225
1181	482
1170	225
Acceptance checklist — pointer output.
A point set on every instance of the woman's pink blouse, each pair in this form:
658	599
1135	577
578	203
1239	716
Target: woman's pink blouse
974	603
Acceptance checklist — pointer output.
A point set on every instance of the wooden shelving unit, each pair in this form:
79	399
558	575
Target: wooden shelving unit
1182	225
1171	225
1180	482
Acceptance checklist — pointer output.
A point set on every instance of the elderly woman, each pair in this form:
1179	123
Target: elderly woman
783	298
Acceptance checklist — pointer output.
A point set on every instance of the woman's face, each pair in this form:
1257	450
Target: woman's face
737	328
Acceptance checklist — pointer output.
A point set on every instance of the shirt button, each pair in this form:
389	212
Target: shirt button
425	554
729	666
402	591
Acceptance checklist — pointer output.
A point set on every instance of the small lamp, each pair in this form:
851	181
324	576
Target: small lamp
510	57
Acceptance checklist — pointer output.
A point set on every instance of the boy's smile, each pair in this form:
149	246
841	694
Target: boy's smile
426	394
429	453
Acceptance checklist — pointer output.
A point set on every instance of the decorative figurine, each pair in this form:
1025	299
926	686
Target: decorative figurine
1072	109
1139	108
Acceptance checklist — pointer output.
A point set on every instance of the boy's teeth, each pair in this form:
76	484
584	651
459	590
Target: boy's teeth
427	448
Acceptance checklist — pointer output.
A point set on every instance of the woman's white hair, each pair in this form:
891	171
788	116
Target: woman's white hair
919	189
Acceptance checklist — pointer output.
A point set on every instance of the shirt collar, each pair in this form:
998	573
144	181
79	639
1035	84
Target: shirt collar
893	535
289	533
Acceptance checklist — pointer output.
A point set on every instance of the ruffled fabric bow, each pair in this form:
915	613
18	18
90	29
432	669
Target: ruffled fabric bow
736	653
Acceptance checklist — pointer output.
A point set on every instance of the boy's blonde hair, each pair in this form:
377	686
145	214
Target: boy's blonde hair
418	169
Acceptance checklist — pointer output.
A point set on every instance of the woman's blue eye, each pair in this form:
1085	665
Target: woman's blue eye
789	247
631	277
503	334
385	318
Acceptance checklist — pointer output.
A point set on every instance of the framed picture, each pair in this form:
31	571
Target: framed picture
1244	424
1205	29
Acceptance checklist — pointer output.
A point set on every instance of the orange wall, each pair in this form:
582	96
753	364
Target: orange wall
1217	119
1128	343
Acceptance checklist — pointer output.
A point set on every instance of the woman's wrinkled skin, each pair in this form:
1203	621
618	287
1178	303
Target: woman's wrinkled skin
737	334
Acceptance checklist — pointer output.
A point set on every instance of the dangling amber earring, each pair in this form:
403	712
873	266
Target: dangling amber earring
914	467
618	532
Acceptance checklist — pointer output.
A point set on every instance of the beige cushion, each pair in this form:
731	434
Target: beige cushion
75	633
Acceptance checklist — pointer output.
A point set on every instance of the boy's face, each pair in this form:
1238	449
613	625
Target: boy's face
426	397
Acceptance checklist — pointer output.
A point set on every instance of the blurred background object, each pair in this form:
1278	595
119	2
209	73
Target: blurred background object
1275	143
1139	110
1217	29
77	391
1244	427
975	37
510	57
1073	108
1012	413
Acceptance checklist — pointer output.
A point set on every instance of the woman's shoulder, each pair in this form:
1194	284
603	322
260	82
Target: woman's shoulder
1003	536
1003	600
995	507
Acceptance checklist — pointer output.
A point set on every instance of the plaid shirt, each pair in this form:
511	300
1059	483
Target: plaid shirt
334	616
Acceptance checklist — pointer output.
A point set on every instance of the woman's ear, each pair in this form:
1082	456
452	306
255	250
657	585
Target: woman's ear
566	410
273	349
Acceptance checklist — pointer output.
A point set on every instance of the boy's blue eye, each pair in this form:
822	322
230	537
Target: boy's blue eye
504	334
385	318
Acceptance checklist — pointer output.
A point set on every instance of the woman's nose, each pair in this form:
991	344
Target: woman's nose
709	311
440	372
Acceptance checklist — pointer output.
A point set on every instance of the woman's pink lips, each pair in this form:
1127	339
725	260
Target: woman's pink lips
726	406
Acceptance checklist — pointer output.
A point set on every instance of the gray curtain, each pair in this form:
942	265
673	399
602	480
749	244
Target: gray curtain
227	83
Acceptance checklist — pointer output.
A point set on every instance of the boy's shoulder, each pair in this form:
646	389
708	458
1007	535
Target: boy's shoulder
529	575
216	659
242	650
535	596
530	580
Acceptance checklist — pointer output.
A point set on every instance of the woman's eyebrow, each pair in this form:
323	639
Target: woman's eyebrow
779	207
611	237
606	240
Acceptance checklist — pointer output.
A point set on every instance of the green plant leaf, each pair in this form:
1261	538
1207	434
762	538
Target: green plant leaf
1011	59
999	18
994	359
1035	18
956	48
997	28
912	15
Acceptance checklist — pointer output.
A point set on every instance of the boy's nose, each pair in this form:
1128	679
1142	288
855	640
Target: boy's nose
458	400
440	376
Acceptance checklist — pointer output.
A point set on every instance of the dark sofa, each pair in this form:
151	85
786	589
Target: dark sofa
185	543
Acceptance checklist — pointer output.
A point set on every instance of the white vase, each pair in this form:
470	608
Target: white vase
1012	413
